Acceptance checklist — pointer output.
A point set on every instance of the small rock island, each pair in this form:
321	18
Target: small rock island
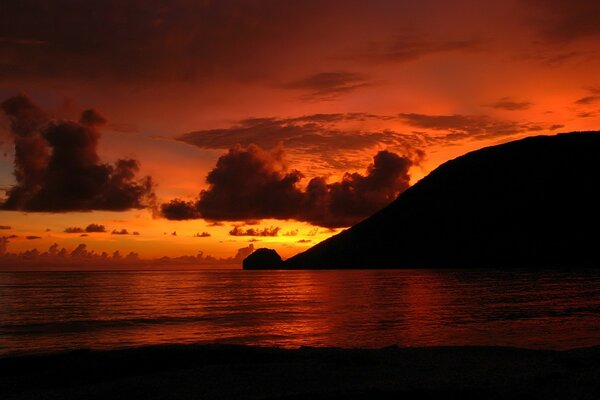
263	258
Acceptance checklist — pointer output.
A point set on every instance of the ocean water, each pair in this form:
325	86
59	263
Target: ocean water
51	311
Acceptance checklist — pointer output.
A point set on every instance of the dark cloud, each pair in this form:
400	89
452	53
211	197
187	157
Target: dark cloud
120	232
95	228
178	210
202	235
251	183
560	20
472	126
91	228
357	196
32	237
57	167
267	231
509	104
147	39
74	229
4	227
304	241
328	85
32	152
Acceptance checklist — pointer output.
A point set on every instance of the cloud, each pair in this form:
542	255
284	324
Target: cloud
357	196
202	235
148	40
472	126
120	232
593	98
179	210
32	237
587	100
328	85
562	21
95	228
509	104
405	48
333	140
252	183
61	257
74	229
2	227
57	167
91	228
239	231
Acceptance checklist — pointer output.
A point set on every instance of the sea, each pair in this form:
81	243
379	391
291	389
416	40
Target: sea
45	312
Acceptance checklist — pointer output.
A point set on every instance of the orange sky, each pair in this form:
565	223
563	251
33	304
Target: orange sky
180	83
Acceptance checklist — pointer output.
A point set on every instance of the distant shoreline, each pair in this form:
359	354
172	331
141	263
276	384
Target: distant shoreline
235	371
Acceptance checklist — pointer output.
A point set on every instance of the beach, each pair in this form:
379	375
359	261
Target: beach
220	371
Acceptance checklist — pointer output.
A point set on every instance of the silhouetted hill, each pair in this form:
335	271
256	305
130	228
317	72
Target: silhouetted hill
528	203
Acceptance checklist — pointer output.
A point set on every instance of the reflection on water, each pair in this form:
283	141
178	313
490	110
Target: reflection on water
45	311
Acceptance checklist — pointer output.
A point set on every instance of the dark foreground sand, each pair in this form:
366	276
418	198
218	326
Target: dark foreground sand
238	372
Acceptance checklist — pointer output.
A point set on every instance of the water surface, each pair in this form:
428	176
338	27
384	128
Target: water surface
49	311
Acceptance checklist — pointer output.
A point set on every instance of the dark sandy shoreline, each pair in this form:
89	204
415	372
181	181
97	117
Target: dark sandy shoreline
232	372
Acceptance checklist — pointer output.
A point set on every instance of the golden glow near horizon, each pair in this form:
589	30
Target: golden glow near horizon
430	81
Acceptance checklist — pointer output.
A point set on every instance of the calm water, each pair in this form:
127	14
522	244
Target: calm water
48	311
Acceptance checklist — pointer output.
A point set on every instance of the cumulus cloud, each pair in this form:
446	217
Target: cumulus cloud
249	183
179	210
267	231
120	232
95	228
57	167
252	183
202	235
91	228
74	229
357	196
5	227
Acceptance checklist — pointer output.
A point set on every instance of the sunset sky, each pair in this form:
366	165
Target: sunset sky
271	123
